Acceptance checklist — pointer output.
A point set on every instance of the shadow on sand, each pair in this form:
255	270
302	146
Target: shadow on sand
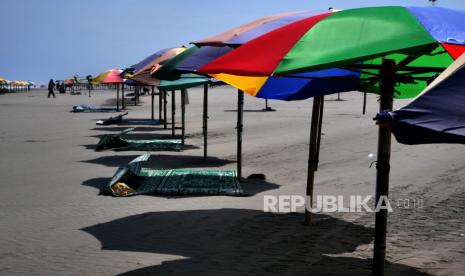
124	127
251	110
241	242
162	161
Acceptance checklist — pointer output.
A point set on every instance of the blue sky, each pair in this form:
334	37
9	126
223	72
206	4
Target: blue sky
43	39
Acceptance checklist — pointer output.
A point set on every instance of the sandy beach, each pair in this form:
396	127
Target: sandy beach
54	221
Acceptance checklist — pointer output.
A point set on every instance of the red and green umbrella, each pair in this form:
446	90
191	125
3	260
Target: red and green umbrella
396	50
360	38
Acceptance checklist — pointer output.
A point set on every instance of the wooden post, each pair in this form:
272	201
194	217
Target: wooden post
387	84
153	103
136	92
160	105
165	103
173	112
117	97
183	115
364	103
320	124
240	112
122	96
205	120
315	131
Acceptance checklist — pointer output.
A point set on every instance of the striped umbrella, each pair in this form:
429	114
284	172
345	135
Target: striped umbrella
396	51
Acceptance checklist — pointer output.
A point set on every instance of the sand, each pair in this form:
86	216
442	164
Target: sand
53	220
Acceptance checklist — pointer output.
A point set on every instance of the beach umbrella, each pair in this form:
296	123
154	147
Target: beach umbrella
142	70
183	83
437	115
396	50
188	62
297	87
111	76
237	36
263	87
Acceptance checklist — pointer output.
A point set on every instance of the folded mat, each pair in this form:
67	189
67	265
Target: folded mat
88	109
117	142
135	180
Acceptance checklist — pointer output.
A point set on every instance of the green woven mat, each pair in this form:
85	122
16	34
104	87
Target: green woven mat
176	181
117	142
152	145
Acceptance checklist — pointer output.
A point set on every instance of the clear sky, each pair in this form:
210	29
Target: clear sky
43	39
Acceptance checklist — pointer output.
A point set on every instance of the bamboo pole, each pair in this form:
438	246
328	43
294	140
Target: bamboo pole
123	106
320	124
315	131
160	105
136	91
387	85
165	103
173	112
183	116
117	97
364	103
153	103
205	120
240	113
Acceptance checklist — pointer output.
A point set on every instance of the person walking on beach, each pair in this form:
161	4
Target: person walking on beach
51	85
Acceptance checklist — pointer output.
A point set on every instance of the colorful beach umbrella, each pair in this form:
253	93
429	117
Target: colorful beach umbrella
295	87
242	34
396	50
264	87
437	115
111	76
433	34
142	70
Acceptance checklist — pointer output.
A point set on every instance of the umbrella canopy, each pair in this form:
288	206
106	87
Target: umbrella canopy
69	82
3	81
156	58
189	61
130	82
418	36
152	63
438	114
244	33
109	76
186	81
283	88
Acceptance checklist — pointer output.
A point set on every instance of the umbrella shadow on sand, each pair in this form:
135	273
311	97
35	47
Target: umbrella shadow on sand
120	128
240	241
162	161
